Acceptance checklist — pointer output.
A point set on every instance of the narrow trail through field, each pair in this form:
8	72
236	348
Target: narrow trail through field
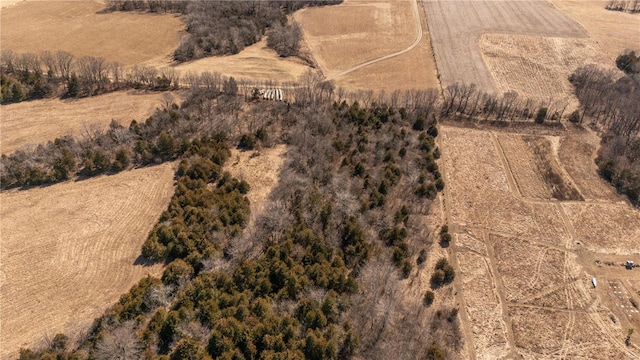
415	43
540	296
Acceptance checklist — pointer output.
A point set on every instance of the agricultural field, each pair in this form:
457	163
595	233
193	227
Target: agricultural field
377	45
457	26
526	259
612	32
536	67
256	63
34	122
78	27
67	254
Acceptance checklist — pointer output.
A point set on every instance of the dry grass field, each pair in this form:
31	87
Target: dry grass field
67	254
77	27
34	122
255	62
344	36
534	66
526	260
611	31
456	27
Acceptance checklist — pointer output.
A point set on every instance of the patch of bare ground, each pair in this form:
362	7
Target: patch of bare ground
456	27
606	228
79	28
70	250
256	62
577	152
551	333
536	67
484	307
611	31
33	122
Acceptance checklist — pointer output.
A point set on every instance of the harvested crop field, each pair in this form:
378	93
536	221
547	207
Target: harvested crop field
256	63
33	122
77	27
377	45
456	27
536	67
612	31
526	259
67	254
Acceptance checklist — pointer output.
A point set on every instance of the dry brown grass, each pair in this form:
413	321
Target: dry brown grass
67	254
577	152
343	36
484	306
457	25
261	169
612	31
534	66
606	228
76	27
536	255
39	121
255	62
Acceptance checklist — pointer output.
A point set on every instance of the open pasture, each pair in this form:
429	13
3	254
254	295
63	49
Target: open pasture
342	37
33	122
456	27
78	27
67	254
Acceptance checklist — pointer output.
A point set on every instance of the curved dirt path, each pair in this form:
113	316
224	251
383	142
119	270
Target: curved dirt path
416	12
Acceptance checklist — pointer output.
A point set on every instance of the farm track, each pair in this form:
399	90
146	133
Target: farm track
415	43
567	290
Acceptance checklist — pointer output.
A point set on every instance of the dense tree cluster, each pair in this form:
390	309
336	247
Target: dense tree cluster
285	40
34	76
610	100
358	173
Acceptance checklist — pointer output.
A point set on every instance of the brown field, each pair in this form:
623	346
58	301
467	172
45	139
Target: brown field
534	66
255	62
76	27
34	122
456	27
577	153
67	254
484	307
523	164
606	228
612	31
354	33
525	260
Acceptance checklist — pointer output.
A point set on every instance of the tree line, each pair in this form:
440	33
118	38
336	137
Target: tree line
27	76
467	102
609	99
